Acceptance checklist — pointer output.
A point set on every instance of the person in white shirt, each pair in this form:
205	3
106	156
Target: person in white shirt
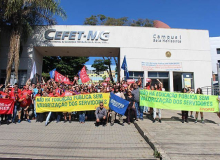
121	95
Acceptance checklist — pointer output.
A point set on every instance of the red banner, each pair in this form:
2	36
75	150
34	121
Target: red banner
60	78
6	106
83	75
130	81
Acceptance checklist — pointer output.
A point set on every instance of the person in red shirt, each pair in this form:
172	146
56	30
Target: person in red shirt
67	93
5	94
14	94
25	102
53	94
26	91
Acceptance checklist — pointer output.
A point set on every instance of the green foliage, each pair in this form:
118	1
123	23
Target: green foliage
123	21
65	65
157	154
26	14
104	77
46	76
99	65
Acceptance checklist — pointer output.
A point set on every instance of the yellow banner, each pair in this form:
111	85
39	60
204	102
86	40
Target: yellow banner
82	102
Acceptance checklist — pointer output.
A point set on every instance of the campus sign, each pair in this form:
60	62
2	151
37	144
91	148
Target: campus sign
53	34
167	38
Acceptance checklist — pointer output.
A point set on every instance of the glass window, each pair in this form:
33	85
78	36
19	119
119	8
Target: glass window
137	74
152	74
218	50
187	75
163	74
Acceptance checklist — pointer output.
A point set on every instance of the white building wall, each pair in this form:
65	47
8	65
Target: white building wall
214	44
138	46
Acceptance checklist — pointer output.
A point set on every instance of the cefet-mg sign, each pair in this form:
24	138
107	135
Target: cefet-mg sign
53	34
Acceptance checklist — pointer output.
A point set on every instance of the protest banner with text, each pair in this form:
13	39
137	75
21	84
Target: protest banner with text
117	104
6	106
82	102
179	101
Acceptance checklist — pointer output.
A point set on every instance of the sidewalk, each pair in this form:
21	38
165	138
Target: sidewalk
72	141
175	140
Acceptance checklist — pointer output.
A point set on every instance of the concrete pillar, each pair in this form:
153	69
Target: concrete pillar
171	80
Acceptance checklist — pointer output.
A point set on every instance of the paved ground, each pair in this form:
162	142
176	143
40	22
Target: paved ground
61	141
184	141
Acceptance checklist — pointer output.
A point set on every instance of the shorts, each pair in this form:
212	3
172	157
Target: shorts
22	108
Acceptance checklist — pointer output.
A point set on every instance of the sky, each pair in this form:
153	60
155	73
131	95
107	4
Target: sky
187	14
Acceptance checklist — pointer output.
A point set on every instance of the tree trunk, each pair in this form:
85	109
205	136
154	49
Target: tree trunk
13	55
109	66
110	71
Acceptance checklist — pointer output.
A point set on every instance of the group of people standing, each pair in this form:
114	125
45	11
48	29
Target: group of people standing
25	101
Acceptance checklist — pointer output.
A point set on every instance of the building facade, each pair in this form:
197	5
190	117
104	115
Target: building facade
177	57
215	56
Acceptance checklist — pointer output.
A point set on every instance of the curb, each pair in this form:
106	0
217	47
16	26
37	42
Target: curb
153	144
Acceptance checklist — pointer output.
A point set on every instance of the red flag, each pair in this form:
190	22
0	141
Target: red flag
60	78
83	75
6	106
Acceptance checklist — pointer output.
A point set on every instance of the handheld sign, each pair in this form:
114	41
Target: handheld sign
130	81
125	85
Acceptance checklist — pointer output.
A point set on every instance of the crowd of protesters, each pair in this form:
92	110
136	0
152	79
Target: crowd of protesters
25	101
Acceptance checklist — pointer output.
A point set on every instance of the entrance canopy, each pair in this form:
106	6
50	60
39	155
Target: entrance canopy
79	51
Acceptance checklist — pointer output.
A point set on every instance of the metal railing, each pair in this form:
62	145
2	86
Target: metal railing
210	90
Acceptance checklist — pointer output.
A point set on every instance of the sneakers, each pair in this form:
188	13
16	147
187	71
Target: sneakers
154	121
19	121
112	124
191	116
160	120
196	121
28	121
186	121
65	121
182	121
203	122
122	124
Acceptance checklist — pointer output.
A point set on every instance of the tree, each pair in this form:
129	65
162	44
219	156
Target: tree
65	65
99	66
21	17
123	21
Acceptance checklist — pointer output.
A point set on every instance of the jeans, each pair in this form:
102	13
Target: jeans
145	109
82	117
139	110
58	116
14	113
35	114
